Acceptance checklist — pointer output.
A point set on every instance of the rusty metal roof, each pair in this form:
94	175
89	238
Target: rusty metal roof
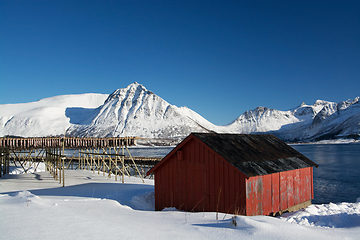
255	154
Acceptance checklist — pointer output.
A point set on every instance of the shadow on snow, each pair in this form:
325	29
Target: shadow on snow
136	196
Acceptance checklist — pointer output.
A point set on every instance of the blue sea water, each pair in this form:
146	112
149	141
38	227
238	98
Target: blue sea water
337	179
150	151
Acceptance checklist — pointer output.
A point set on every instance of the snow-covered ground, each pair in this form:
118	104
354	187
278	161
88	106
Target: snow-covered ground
92	206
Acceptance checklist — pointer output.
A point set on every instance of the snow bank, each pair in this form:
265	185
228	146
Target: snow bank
144	201
342	215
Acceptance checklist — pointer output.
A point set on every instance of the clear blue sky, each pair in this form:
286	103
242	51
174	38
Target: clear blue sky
219	58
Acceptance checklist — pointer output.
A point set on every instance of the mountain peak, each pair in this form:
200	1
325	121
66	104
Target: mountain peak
321	102
136	85
123	92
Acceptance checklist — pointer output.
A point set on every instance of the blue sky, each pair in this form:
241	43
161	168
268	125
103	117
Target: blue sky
219	58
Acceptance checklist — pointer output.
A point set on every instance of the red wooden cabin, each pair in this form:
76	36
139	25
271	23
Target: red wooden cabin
233	173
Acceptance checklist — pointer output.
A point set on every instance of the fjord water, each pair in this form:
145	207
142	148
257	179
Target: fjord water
337	179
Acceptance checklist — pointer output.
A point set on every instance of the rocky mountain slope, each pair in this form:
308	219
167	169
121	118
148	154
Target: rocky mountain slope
322	120
136	111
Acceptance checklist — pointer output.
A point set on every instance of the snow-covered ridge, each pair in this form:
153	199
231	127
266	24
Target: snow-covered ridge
136	111
46	117
322	120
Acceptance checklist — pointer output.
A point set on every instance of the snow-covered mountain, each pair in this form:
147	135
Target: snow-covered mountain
47	117
136	111
322	120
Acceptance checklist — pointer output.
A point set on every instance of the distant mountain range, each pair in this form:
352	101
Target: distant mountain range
135	111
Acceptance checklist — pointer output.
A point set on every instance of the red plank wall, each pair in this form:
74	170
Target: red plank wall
197	179
275	192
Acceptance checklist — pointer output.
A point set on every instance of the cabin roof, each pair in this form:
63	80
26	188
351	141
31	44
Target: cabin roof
255	154
252	154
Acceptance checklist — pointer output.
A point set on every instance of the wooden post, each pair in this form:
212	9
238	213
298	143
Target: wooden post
2	157
93	161
135	164
63	158
110	164
7	161
58	158
54	163
2	162
79	160
116	166
123	166
45	159
98	161
103	163
59	164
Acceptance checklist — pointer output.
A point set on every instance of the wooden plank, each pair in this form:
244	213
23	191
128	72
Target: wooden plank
290	188
167	189
162	182
237	191
221	186
170	187
254	187
177	183
183	185
226	187
69	143
275	192
158	190
308	184
242	186
284	189
217	185
198	186
312	182
258	195
266	195
207	178
303	184
211	182
297	184
251	199
247	199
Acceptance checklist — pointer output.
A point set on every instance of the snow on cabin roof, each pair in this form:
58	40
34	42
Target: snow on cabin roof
255	154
